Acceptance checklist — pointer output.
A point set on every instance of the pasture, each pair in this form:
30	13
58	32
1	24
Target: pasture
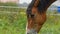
13	21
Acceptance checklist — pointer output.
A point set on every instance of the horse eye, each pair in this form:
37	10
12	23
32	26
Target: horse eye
32	16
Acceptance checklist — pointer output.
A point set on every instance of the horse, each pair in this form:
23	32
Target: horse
36	15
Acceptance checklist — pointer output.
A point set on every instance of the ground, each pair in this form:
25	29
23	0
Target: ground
16	23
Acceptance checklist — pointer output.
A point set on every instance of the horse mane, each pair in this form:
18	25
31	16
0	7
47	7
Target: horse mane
43	5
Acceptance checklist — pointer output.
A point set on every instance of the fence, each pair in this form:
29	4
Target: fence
9	12
9	9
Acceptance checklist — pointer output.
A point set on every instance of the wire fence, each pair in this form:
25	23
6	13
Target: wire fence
15	9
9	9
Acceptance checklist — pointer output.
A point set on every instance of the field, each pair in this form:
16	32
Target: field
13	21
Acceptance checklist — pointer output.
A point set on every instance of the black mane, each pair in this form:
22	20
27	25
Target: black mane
43	4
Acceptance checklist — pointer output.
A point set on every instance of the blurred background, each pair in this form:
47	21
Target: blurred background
13	17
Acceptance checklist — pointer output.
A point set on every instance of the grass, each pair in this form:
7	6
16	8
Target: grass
15	23
52	25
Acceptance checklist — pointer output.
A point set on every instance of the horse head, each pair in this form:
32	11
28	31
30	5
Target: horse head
36	15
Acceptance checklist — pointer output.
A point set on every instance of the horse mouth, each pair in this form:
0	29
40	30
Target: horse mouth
31	31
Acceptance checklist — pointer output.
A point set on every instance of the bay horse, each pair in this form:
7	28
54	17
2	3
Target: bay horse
36	15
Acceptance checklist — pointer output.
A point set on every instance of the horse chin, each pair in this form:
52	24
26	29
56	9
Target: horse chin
31	31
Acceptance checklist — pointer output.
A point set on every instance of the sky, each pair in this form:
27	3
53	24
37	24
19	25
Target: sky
57	3
27	1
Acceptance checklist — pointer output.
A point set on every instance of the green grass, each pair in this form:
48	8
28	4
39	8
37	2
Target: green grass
52	25
15	23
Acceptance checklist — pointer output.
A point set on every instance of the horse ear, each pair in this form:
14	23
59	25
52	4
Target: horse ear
36	3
